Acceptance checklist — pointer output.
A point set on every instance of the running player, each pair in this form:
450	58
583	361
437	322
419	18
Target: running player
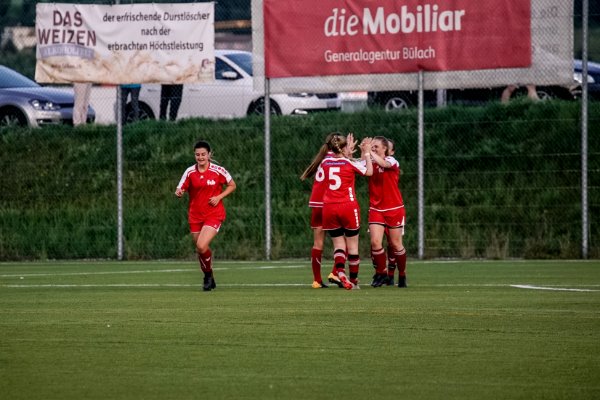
204	182
386	210
341	213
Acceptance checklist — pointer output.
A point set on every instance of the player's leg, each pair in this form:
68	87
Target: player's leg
391	259
203	240
378	253
399	253
353	256
332	226
316	255
339	256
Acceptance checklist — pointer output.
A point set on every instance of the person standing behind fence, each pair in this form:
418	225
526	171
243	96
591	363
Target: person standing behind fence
341	212
170	97
81	92
134	90
315	203
204	182
386	210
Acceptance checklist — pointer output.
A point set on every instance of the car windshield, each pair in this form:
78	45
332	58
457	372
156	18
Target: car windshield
12	79
244	60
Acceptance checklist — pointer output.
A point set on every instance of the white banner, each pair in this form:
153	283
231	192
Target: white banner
551	54
134	43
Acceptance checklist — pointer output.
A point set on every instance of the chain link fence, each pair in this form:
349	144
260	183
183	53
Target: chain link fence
501	180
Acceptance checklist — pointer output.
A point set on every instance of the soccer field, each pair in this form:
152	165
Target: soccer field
145	330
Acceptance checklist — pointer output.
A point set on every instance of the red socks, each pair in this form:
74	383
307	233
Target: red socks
353	266
401	261
205	261
379	259
315	259
339	261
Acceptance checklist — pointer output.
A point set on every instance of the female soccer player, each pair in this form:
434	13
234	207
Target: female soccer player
386	211
341	213
204	182
315	203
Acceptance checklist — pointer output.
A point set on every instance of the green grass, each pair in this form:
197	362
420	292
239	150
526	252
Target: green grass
109	330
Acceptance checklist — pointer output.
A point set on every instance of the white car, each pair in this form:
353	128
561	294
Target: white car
23	102
231	94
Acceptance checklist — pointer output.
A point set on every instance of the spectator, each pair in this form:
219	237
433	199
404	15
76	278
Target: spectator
134	90
508	91
170	94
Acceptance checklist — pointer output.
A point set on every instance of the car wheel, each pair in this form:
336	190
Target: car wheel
145	112
258	107
396	101
545	94
12	117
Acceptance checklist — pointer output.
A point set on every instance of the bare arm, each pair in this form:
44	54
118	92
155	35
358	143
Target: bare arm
228	190
382	162
365	154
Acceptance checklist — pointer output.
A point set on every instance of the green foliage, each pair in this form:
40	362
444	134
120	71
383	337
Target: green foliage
500	181
144	330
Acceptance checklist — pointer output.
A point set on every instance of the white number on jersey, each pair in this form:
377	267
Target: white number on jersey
334	176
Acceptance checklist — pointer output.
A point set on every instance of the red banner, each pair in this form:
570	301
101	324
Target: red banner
347	37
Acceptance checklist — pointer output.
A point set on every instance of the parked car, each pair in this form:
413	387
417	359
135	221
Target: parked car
232	95
593	79
397	100
24	102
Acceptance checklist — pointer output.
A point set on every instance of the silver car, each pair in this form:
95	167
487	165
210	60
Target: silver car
231	94
23	102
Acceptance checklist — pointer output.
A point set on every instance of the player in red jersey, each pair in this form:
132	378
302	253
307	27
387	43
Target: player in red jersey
204	182
315	203
386	211
341	213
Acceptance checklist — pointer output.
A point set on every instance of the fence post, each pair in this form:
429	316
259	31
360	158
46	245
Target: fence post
584	131
267	169
421	170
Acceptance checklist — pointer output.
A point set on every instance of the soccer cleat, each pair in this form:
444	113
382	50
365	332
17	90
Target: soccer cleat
346	282
209	283
334	279
378	280
389	281
402	282
355	283
319	285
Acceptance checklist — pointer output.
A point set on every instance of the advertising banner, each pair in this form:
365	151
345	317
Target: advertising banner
133	43
373	45
334	37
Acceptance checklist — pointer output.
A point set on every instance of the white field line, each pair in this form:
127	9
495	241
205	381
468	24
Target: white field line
560	289
234	285
146	271
154	285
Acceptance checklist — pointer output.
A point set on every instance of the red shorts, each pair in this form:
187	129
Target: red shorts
316	217
391	219
341	215
214	223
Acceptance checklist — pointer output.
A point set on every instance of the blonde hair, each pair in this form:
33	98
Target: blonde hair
385	142
335	142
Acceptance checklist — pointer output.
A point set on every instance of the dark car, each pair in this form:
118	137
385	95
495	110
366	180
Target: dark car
593	79
397	100
23	102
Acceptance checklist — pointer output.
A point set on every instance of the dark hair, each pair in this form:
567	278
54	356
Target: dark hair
202	145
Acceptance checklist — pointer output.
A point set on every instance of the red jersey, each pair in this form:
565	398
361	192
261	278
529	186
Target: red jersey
384	194
201	186
339	179
318	188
